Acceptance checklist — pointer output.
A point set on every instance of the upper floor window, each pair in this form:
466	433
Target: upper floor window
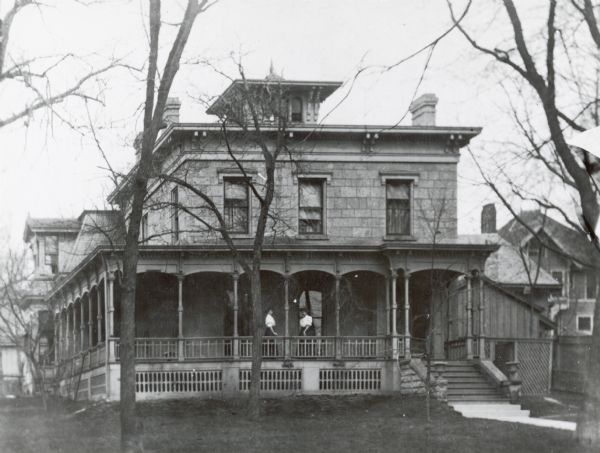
591	285
144	227
398	214
51	252
535	249
296	108
559	276
310	206
236	205
175	214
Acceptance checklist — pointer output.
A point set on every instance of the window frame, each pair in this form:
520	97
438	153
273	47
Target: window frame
48	261
322	180
591	318
563	273
412	182
175	221
587	295
292	113
144	227
247	181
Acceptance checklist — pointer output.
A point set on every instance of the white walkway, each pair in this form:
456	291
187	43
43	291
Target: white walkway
507	412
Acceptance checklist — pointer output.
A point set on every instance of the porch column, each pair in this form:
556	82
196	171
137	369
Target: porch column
469	317
110	316
236	309
388	306
99	316
90	322
64	326
481	319
81	326
394	278
406	314
109	305
56	337
286	333
180	351
338	345
73	330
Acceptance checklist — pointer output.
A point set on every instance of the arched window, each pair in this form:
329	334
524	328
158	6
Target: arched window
296	110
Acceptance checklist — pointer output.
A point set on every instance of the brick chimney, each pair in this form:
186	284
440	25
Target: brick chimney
423	110
488	218
171	113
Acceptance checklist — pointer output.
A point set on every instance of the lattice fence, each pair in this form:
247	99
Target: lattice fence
192	381
536	366
534	357
274	380
355	380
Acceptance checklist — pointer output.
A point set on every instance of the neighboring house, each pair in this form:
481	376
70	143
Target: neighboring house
569	258
364	238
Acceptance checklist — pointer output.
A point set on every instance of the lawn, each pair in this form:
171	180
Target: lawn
295	424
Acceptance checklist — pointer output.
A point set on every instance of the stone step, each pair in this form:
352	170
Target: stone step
476	398
472	391
469	385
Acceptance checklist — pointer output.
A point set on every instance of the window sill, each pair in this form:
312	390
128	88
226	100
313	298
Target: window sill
399	237
315	237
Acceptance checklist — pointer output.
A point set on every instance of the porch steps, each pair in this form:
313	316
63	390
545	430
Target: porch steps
467	384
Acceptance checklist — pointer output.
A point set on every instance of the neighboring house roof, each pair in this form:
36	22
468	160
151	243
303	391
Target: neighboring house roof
49	225
571	242
98	228
507	267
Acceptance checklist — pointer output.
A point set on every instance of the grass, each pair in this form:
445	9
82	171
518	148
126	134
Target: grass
295	424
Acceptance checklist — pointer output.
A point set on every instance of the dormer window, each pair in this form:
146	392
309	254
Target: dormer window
51	253
296	108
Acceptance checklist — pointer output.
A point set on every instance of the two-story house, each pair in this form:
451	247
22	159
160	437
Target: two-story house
569	258
362	235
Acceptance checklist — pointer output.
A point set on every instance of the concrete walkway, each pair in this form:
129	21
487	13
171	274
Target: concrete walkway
508	413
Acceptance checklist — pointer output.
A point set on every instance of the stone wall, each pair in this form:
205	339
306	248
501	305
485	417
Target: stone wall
355	192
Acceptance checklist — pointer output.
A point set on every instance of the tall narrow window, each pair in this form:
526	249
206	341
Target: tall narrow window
535	249
310	206
296	110
51	251
398	207
236	205
559	277
591	282
144	227
175	214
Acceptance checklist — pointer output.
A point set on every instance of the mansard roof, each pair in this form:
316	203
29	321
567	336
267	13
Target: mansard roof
98	229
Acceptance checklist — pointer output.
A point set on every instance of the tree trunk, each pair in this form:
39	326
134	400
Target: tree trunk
257	338
588	423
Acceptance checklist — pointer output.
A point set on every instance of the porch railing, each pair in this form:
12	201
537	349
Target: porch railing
456	349
202	348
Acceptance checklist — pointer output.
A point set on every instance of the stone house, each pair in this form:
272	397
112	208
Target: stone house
363	235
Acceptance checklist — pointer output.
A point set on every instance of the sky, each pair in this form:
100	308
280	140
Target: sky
49	168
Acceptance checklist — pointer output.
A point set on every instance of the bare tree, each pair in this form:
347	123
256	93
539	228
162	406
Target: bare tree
255	116
34	76
566	91
155	101
28	325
